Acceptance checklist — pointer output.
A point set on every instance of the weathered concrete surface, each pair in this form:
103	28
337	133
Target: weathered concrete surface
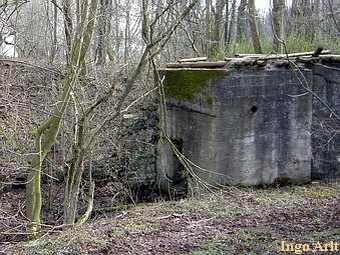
326	129
241	126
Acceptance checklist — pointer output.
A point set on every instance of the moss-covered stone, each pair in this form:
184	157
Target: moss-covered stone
186	85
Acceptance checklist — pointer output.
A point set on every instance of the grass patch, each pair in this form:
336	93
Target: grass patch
260	241
249	221
294	195
75	241
213	206
133	227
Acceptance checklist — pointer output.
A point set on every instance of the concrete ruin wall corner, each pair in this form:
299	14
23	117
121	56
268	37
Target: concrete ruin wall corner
246	126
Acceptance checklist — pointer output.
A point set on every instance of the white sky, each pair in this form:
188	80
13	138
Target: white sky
265	4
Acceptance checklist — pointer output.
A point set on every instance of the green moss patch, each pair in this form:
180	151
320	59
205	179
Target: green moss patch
187	85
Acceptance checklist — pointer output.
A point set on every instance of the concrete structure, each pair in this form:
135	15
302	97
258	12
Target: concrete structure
326	128
245	125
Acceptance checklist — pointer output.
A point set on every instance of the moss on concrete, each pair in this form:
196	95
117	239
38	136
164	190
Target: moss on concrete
304	105
186	85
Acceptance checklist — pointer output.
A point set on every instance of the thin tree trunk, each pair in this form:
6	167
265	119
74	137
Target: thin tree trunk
231	24
101	48
74	175
116	28
317	19
78	11
292	18
47	132
241	21
216	34
309	26
278	23
68	27
110	52
55	34
75	171
127	33
208	27
253	27
226	23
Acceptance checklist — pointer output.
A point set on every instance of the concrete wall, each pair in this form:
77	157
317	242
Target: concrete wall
326	128
244	126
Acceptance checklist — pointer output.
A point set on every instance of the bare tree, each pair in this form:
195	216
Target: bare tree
229	28
217	28
278	24
54	45
68	26
103	21
127	32
253	27
47	132
241	21
208	27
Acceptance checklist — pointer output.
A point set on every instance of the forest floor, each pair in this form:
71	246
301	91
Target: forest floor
240	221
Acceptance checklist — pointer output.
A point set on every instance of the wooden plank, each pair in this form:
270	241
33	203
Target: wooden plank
277	56
249	55
330	57
193	59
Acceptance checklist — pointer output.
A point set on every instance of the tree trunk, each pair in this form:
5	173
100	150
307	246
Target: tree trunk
231	25
101	49
45	138
216	34
73	179
278	23
316	18
68	27
47	132
55	34
208	27
75	171
309	26
226	23
127	33
116	28
253	27
241	21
